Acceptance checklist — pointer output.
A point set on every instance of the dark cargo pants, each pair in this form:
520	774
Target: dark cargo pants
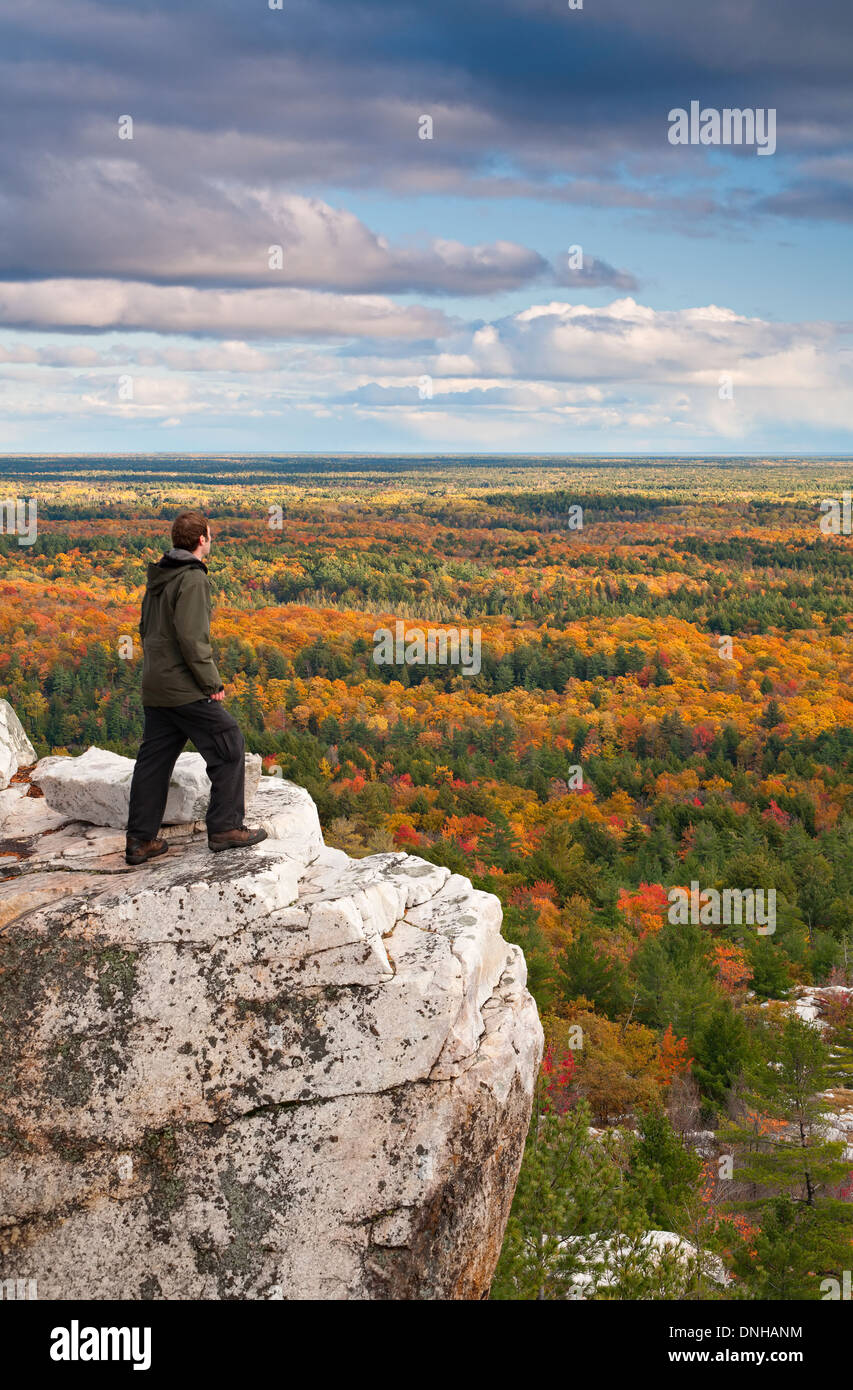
216	734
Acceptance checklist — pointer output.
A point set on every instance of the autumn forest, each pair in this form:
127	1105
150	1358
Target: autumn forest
663	698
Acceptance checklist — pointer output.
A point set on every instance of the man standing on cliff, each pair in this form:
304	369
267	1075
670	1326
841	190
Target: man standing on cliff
182	697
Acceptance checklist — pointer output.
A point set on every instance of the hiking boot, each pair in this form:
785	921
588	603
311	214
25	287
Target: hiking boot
138	851
235	839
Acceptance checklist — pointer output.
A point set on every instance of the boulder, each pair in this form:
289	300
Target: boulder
15	748
277	1073
96	787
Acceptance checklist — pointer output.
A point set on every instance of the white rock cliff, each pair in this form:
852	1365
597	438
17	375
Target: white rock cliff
273	1073
15	748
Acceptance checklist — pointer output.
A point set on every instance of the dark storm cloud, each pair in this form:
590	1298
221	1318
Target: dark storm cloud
238	109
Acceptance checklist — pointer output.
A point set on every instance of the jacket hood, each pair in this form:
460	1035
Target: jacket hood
172	564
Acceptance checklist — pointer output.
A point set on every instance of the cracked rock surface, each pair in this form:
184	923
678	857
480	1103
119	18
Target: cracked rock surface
273	1073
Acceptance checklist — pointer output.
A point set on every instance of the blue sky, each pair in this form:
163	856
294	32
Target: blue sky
424	300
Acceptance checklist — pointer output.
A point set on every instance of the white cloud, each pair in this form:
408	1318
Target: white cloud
624	370
118	221
273	313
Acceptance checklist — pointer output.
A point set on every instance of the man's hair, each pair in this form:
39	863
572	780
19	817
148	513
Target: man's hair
188	529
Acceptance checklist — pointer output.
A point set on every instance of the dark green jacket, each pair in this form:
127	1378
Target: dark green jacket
177	664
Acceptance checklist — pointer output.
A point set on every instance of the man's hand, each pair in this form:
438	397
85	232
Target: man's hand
219	695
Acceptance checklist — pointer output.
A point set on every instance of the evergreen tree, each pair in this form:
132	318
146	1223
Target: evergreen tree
663	1170
583	971
720	1052
788	1167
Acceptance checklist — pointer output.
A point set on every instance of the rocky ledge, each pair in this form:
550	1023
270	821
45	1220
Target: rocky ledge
273	1073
